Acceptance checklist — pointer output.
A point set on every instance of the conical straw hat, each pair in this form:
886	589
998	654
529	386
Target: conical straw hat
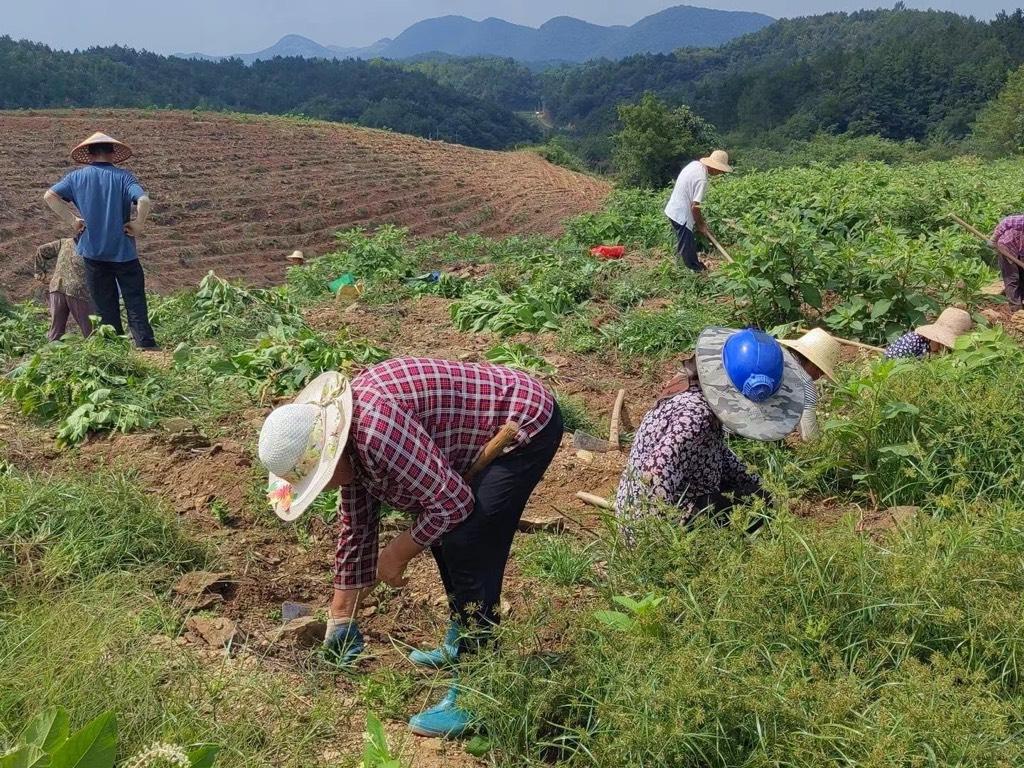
818	346
81	155
951	325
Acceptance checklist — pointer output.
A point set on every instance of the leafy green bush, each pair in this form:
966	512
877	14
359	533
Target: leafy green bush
808	646
74	530
285	359
928	432
630	217
92	385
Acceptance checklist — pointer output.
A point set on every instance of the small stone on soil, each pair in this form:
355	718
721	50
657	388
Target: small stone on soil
305	632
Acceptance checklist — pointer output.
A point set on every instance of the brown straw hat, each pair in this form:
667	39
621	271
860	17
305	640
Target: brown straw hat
951	325
719	160
80	154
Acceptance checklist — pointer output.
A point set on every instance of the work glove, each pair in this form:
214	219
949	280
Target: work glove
343	642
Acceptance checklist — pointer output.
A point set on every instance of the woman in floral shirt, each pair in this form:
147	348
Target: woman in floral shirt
738	379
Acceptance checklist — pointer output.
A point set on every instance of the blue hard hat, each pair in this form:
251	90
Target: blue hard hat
753	360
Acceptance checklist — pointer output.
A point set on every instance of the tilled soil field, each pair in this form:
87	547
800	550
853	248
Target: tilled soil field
235	194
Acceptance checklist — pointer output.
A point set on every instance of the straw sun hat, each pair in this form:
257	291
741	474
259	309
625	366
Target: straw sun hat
766	418
818	346
951	325
301	443
80	154
719	160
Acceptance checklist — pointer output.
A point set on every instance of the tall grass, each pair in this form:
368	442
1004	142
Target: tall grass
804	647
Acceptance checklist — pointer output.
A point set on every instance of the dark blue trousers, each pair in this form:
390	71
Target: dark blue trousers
106	279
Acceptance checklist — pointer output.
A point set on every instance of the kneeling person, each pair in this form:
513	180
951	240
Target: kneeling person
404	432
935	338
740	380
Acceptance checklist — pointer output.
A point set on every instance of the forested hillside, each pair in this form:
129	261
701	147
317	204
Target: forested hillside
372	94
899	74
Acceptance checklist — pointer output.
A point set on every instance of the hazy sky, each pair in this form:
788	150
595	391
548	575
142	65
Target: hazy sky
242	26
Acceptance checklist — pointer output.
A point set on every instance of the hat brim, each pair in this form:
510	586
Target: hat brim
80	154
939	333
768	421
812	355
338	416
707	161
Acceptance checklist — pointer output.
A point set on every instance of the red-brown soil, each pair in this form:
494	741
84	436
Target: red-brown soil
236	194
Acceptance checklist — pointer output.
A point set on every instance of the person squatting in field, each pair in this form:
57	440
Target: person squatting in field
935	338
68	295
683	208
738	380
404	432
1008	240
818	353
105	233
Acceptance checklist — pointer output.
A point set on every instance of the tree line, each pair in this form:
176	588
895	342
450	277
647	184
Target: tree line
374	94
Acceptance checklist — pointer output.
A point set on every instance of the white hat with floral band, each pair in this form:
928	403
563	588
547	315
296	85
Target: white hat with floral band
301	443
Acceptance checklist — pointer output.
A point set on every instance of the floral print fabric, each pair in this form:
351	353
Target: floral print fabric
908	345
679	455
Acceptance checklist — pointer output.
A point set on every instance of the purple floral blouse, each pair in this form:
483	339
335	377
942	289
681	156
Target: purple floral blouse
679	455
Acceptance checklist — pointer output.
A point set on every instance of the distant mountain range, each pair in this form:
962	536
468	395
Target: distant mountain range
560	39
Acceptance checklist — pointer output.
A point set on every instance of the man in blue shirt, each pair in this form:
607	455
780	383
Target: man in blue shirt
105	233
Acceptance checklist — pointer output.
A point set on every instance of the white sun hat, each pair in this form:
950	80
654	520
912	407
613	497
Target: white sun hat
820	347
719	160
301	443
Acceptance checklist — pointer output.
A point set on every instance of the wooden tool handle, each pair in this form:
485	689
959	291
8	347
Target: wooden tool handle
719	247
848	342
613	433
594	501
979	234
492	450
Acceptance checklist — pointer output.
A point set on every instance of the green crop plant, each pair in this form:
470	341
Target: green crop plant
521	357
285	359
385	256
92	385
48	741
22	330
221	311
528	309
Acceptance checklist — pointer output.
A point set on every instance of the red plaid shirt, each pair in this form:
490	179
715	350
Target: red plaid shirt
1010	234
418	424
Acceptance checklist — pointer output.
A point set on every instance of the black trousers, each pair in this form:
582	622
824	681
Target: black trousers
686	247
105	279
472	558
